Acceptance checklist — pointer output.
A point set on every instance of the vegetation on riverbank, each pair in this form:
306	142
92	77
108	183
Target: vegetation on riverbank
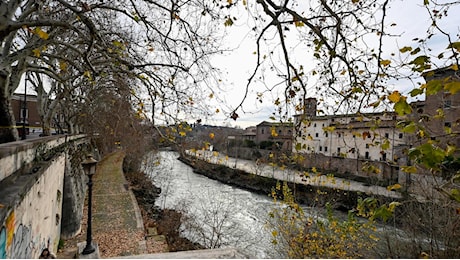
166	221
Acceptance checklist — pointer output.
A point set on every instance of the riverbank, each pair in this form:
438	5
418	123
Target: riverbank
166	222
342	200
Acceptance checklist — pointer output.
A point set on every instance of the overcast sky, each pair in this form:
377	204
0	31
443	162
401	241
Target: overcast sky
409	15
411	21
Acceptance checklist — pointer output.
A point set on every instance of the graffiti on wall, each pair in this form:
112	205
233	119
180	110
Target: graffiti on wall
15	242
21	243
3	243
9	229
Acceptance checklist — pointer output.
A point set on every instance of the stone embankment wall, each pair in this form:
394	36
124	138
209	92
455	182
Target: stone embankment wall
380	170
305	194
42	190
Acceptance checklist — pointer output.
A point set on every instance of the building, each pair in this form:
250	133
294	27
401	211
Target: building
367	144
372	144
276	133
371	136
25	112
440	112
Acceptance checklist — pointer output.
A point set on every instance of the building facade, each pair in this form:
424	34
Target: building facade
280	134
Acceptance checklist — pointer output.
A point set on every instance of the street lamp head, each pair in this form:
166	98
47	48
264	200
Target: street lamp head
89	165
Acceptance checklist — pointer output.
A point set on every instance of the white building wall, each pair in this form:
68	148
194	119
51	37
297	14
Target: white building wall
351	137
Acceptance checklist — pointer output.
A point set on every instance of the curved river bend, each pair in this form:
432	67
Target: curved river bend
238	217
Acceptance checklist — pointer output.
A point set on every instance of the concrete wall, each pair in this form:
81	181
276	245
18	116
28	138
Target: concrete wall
16	155
33	193
33	219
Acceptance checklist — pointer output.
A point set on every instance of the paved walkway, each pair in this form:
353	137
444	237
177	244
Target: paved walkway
117	224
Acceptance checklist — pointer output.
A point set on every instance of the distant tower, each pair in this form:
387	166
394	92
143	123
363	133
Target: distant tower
310	107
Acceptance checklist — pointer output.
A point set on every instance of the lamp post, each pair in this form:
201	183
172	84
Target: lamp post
89	165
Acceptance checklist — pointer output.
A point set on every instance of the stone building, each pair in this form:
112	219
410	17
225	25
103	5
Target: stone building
280	134
372	144
440	112
367	144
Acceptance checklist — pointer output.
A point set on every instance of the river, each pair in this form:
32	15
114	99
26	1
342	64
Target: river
219	215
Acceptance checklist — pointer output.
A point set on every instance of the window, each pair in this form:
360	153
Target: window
325	148
366	155
320	148
384	156
387	135
339	134
262	130
354	136
447	124
316	135
24	113
338	150
326	134
400	135
367	146
314	125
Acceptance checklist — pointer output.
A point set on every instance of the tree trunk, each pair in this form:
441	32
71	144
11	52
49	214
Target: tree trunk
8	132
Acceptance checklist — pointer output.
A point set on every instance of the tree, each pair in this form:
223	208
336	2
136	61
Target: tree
297	234
347	54
164	46
356	58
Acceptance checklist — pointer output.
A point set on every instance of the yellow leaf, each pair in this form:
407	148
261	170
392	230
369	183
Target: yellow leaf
182	133
42	34
36	52
87	74
228	22
395	96
63	65
452	87
299	24
454	67
217	111
409	169
273	132
211	135
394	187
385	62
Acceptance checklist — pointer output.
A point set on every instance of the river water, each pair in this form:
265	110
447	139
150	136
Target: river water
219	215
